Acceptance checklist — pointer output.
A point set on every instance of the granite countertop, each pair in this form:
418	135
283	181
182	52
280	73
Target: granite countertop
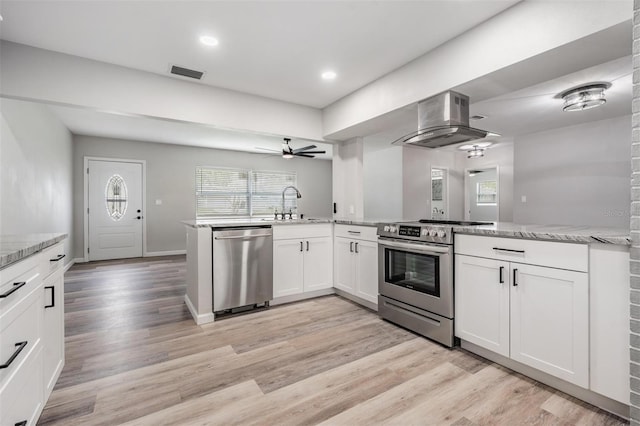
223	223
16	247
566	233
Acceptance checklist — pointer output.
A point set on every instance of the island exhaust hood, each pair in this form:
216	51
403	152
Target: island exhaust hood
442	120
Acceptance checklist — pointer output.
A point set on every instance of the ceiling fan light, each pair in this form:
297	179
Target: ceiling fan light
287	155
585	97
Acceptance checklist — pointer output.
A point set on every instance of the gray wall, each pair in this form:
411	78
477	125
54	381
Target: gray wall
382	176
634	285
35	172
577	175
171	178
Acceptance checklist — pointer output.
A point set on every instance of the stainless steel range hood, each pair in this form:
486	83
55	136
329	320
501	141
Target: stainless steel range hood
442	120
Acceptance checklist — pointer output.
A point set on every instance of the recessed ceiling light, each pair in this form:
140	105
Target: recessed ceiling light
209	41
328	75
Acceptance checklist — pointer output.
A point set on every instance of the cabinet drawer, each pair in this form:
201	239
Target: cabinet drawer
21	398
289	232
51	259
368	233
543	253
17	281
20	329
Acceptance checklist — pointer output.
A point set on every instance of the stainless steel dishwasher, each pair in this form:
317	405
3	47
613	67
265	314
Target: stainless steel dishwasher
242	267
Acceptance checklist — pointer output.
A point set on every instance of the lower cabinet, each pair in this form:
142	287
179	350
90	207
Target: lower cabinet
535	315
302	259
53	330
356	266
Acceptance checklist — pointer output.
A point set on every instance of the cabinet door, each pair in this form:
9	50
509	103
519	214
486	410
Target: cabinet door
287	267
366	259
550	321
318	263
482	302
343	263
53	335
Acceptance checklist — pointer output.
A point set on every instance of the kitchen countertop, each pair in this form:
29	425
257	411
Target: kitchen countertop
16	247
223	223
566	233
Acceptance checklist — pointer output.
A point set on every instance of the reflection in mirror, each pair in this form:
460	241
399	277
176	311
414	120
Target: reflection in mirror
481	187
439	193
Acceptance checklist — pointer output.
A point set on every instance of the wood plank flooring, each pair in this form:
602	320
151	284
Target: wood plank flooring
134	356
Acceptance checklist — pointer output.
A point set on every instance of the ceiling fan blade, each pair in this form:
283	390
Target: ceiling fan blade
304	148
314	152
304	155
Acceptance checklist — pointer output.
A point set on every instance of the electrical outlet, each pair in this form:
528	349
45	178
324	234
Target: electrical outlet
523	199
158	202
352	210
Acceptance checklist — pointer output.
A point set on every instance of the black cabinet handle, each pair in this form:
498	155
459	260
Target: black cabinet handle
351	246
515	275
356	247
307	245
301	245
20	346
15	288
57	258
22	423
53	296
509	250
501	276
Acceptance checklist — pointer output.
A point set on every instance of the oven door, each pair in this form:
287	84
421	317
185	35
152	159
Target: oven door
417	274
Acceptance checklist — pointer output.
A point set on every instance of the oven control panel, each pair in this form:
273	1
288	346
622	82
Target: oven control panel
417	232
409	231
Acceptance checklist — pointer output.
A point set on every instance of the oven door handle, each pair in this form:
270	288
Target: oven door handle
416	248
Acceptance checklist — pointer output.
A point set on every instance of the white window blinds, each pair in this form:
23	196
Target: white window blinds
222	192
487	192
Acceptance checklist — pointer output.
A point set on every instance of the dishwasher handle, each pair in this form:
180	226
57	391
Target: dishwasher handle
237	237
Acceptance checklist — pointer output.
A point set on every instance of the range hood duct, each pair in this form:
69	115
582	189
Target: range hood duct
443	120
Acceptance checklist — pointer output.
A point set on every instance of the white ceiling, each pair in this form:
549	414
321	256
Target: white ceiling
130	127
275	49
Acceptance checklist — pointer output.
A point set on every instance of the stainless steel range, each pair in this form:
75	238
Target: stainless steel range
415	276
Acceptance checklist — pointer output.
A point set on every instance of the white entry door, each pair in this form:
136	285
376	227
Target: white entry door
115	209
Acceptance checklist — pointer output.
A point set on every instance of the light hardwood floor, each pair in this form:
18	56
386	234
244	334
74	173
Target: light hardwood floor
134	356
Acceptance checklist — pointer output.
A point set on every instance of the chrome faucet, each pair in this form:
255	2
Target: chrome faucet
298	195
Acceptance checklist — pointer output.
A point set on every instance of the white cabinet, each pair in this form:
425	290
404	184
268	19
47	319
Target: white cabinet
536	315
302	259
53	336
356	261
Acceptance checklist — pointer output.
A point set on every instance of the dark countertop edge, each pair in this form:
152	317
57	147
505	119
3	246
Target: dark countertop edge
29	249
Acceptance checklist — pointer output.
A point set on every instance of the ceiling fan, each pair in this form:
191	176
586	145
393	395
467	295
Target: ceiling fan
289	152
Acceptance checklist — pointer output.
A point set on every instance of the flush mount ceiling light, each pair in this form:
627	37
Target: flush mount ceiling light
478	145
328	75
475	152
584	97
209	41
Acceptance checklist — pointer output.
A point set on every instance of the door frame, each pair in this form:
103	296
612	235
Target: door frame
85	213
465	185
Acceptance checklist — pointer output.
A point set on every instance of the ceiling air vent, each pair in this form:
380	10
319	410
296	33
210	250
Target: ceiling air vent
477	117
186	72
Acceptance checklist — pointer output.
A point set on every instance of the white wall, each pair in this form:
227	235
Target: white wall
171	178
416	176
348	179
575	175
35	172
42	75
382	175
500	155
506	39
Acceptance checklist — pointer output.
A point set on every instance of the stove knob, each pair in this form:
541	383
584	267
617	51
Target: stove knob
392	229
425	232
386	228
442	233
433	232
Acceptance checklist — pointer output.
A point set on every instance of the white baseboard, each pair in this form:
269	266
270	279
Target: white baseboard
70	264
164	253
199	319
302	296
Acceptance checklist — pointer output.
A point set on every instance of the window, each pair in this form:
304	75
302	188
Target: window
487	192
115	197
222	192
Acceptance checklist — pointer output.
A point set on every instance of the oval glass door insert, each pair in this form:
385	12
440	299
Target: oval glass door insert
116	197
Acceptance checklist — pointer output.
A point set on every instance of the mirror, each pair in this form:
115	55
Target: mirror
482	192
439	193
